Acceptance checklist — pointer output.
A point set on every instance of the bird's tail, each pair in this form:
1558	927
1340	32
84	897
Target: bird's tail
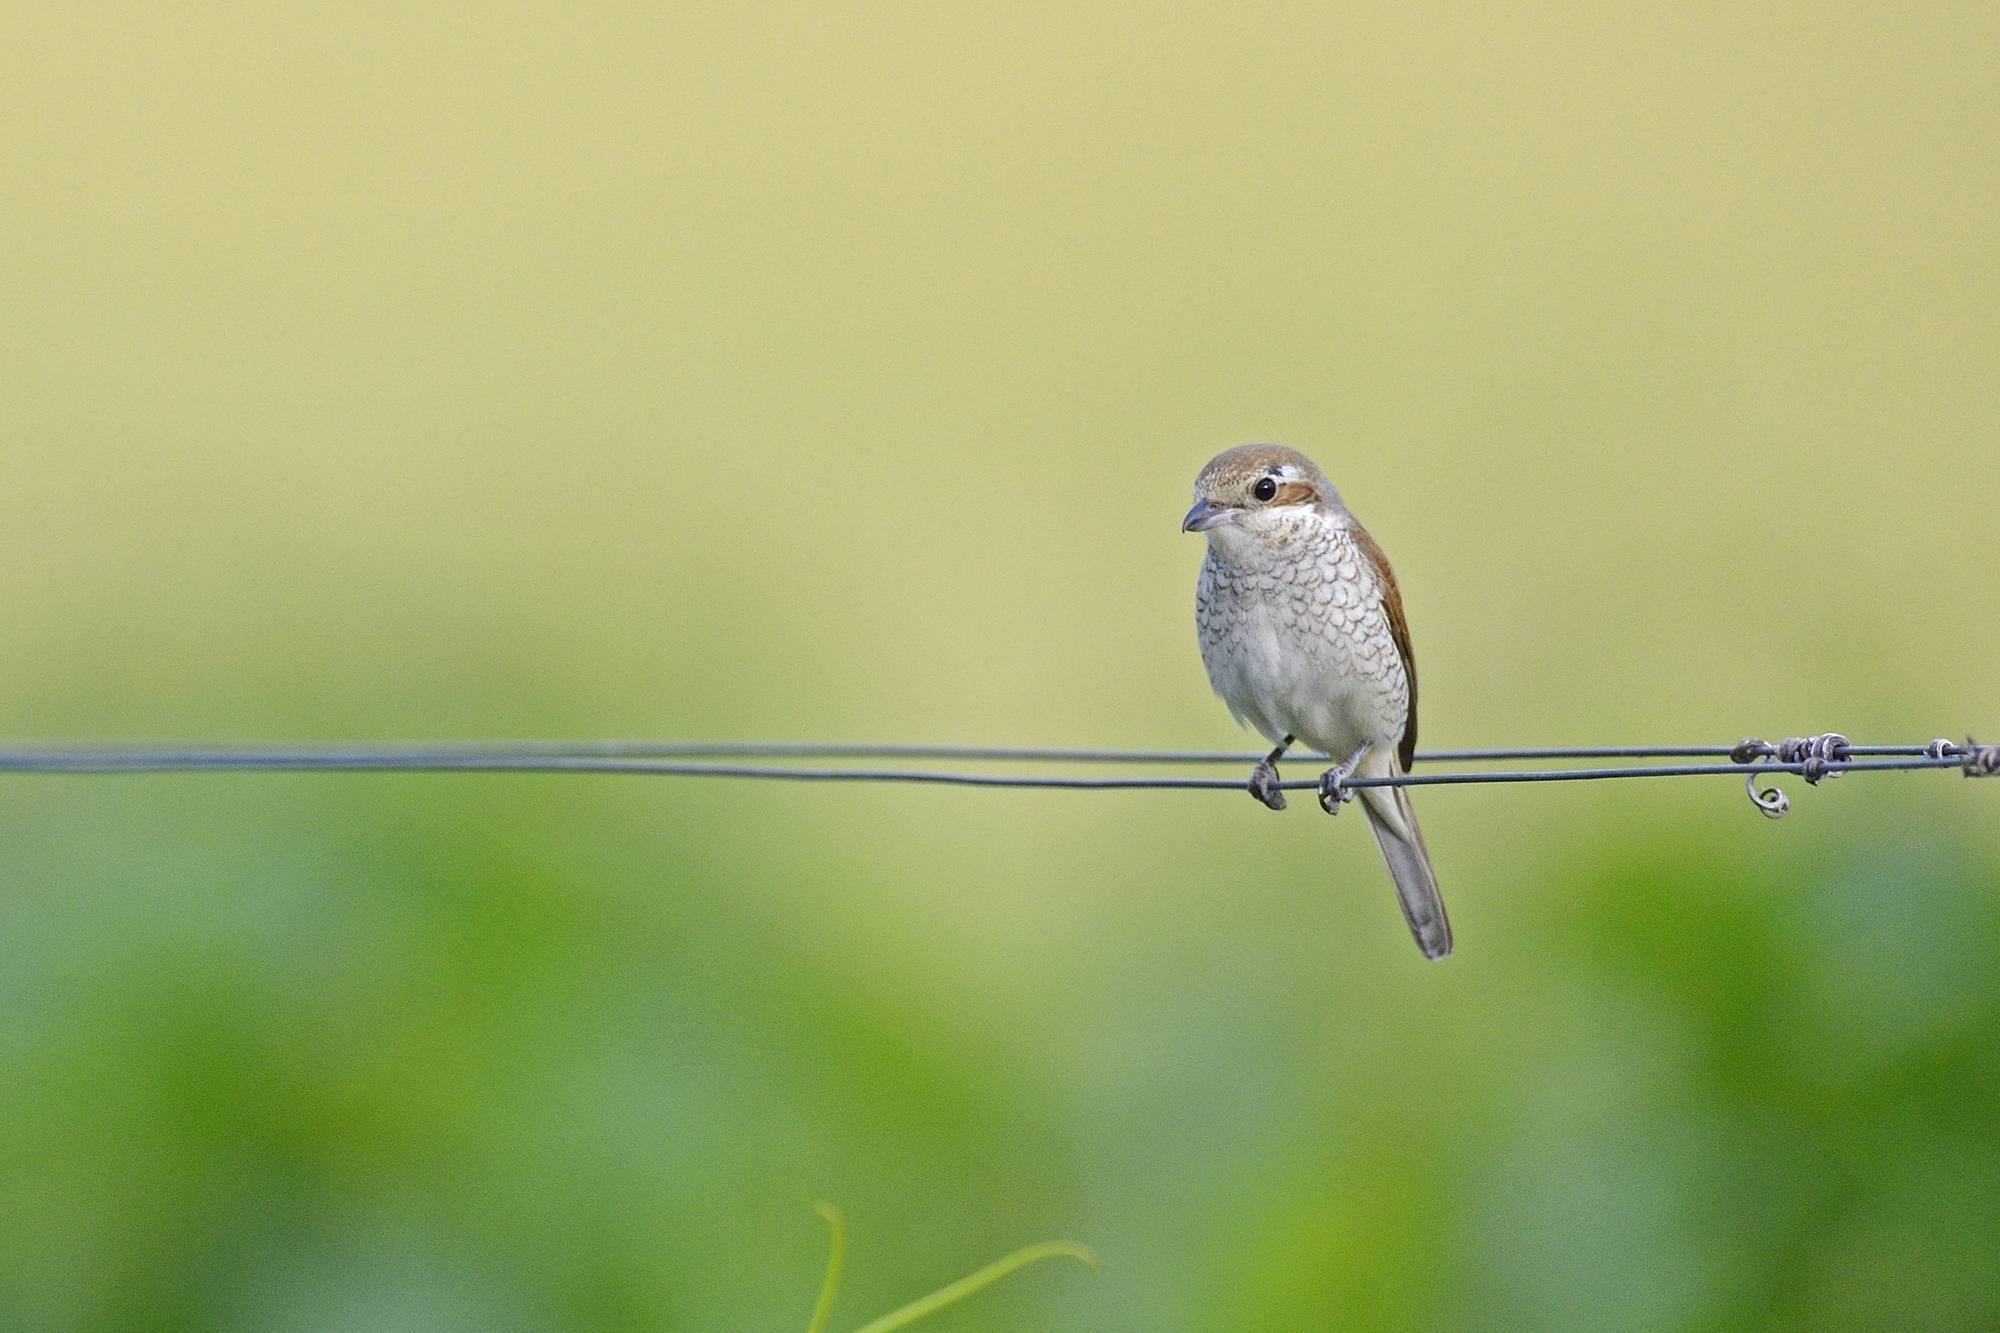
1394	824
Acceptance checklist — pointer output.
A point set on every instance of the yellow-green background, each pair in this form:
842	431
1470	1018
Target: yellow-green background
377	370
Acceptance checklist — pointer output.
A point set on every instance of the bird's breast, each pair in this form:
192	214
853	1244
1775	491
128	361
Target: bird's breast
1296	642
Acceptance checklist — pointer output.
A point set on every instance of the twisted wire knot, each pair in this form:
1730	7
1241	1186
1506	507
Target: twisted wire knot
1818	758
1814	755
1981	761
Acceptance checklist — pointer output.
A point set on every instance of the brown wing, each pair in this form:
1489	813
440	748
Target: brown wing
1399	630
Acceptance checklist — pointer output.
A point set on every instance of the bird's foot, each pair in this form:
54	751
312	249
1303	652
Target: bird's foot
1333	789
1264	784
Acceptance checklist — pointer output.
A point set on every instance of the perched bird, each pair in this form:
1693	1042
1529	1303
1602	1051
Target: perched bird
1303	636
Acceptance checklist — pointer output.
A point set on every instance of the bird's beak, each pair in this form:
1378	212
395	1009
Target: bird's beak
1205	516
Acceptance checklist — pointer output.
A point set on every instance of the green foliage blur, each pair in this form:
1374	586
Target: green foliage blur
839	372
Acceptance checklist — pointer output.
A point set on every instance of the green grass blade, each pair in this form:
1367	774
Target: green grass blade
836	1256
965	1286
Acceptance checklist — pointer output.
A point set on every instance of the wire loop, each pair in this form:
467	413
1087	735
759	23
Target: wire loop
1771	801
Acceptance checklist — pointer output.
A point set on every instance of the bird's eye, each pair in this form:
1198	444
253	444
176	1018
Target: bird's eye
1265	490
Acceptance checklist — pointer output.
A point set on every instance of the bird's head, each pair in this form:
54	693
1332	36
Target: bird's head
1256	491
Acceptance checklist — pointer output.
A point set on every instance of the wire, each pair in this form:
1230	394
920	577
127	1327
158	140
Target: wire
649	749
1814	758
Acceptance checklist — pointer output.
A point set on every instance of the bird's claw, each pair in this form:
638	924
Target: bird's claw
1333	790
1264	784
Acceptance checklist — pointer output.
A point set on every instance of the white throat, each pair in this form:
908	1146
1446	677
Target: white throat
1261	537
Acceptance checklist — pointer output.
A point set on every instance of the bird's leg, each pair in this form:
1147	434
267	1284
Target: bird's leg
1333	789
1264	777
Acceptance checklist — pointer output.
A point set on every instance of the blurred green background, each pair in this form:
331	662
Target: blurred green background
377	371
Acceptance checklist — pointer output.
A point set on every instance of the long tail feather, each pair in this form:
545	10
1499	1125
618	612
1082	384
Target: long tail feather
1395	827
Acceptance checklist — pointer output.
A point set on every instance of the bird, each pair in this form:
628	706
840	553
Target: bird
1303	636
